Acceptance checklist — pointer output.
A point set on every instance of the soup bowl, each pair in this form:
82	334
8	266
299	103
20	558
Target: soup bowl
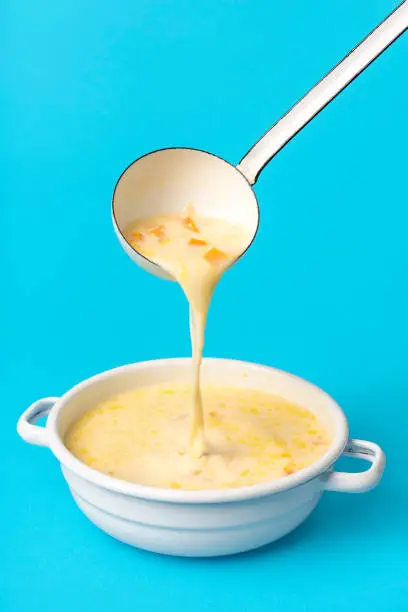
210	522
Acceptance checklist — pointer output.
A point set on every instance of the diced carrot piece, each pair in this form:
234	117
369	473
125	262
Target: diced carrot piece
137	236
159	232
156	231
196	242
190	225
215	257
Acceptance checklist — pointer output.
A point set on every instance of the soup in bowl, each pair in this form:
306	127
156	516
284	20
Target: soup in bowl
252	510
250	437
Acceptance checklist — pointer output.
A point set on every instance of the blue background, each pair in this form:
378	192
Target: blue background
87	87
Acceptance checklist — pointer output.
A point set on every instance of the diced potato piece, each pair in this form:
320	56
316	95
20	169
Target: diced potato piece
190	225
189	210
196	242
215	257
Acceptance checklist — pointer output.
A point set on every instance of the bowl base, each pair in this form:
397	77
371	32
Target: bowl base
197	543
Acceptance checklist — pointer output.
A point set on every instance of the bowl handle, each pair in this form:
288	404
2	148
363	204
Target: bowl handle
26	428
362	481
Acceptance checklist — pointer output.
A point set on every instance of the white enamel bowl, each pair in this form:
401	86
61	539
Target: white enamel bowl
200	523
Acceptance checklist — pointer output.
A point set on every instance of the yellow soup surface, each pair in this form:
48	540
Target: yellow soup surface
251	437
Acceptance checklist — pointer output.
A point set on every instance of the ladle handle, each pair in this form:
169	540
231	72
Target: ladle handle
324	92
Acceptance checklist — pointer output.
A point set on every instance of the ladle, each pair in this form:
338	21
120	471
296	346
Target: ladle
165	181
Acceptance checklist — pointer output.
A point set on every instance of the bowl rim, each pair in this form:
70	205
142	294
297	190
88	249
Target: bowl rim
316	469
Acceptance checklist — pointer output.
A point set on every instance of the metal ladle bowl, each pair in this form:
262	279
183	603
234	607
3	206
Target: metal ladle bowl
167	180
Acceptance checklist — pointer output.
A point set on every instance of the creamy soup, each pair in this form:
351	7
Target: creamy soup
251	437
195	251
238	436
